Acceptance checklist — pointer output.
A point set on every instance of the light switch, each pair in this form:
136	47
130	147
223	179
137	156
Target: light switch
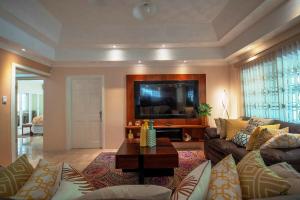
4	99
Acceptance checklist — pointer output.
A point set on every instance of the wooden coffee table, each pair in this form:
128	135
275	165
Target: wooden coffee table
156	161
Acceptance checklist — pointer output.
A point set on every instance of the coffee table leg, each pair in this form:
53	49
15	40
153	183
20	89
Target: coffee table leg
141	169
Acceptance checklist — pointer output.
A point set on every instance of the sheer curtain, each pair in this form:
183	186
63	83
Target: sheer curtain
271	85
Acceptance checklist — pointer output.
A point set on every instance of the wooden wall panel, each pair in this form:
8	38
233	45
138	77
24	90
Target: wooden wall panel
161	77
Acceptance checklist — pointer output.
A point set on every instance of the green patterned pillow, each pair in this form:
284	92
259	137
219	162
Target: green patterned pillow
241	139
15	176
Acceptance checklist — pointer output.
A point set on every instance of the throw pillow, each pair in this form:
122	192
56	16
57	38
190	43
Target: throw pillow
15	176
255	122
224	181
233	126
218	125
43	183
256	132
266	134
147	192
195	184
287	172
73	184
241	139
221	127
257	180
282	141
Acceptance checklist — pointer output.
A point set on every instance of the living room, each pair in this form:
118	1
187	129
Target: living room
236	59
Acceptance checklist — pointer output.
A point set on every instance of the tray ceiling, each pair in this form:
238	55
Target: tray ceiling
86	30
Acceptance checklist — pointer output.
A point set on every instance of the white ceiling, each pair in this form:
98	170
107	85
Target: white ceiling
71	31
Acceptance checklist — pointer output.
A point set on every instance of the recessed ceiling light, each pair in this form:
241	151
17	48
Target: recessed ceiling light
163	45
23	49
185	61
139	61
114	46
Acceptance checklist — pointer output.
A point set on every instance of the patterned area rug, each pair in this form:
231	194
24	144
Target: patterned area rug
102	173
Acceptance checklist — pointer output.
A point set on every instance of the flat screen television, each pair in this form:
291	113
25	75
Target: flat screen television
165	99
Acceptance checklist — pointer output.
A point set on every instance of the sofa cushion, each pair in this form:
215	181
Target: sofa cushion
195	185
258	181
15	176
287	172
224	180
211	133
145	192
273	156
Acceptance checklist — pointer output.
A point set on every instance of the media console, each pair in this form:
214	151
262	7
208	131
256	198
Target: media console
174	132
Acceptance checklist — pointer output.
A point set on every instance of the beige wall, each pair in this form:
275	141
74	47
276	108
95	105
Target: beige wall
235	92
6	60
115	105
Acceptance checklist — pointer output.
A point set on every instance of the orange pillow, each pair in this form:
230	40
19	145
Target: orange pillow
233	126
256	132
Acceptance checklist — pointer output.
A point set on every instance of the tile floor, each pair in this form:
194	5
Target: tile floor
79	158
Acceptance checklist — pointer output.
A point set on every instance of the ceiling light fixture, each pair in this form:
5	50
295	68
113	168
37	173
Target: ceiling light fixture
23	49
163	45
139	61
114	46
184	61
144	10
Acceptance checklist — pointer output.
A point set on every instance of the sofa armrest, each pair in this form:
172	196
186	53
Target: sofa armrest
210	133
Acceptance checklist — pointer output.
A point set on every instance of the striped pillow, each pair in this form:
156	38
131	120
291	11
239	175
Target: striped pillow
195	185
15	176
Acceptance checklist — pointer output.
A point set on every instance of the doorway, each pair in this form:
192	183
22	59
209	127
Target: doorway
27	108
85	112
30	114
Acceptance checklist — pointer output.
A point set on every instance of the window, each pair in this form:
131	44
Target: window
271	85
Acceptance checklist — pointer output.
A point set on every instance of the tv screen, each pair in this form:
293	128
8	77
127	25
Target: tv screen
165	99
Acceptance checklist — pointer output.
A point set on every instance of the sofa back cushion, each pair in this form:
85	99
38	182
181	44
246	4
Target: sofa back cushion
293	128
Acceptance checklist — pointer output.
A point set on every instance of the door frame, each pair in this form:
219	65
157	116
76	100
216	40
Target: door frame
13	103
69	108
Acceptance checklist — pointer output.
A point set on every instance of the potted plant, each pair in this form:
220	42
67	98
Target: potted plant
203	111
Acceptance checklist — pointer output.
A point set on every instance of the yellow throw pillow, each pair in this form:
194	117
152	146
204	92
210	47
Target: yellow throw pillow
256	132
233	126
257	180
15	176
282	141
43	183
266	134
224	181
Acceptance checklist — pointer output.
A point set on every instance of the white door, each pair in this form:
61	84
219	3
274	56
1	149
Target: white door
86	117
